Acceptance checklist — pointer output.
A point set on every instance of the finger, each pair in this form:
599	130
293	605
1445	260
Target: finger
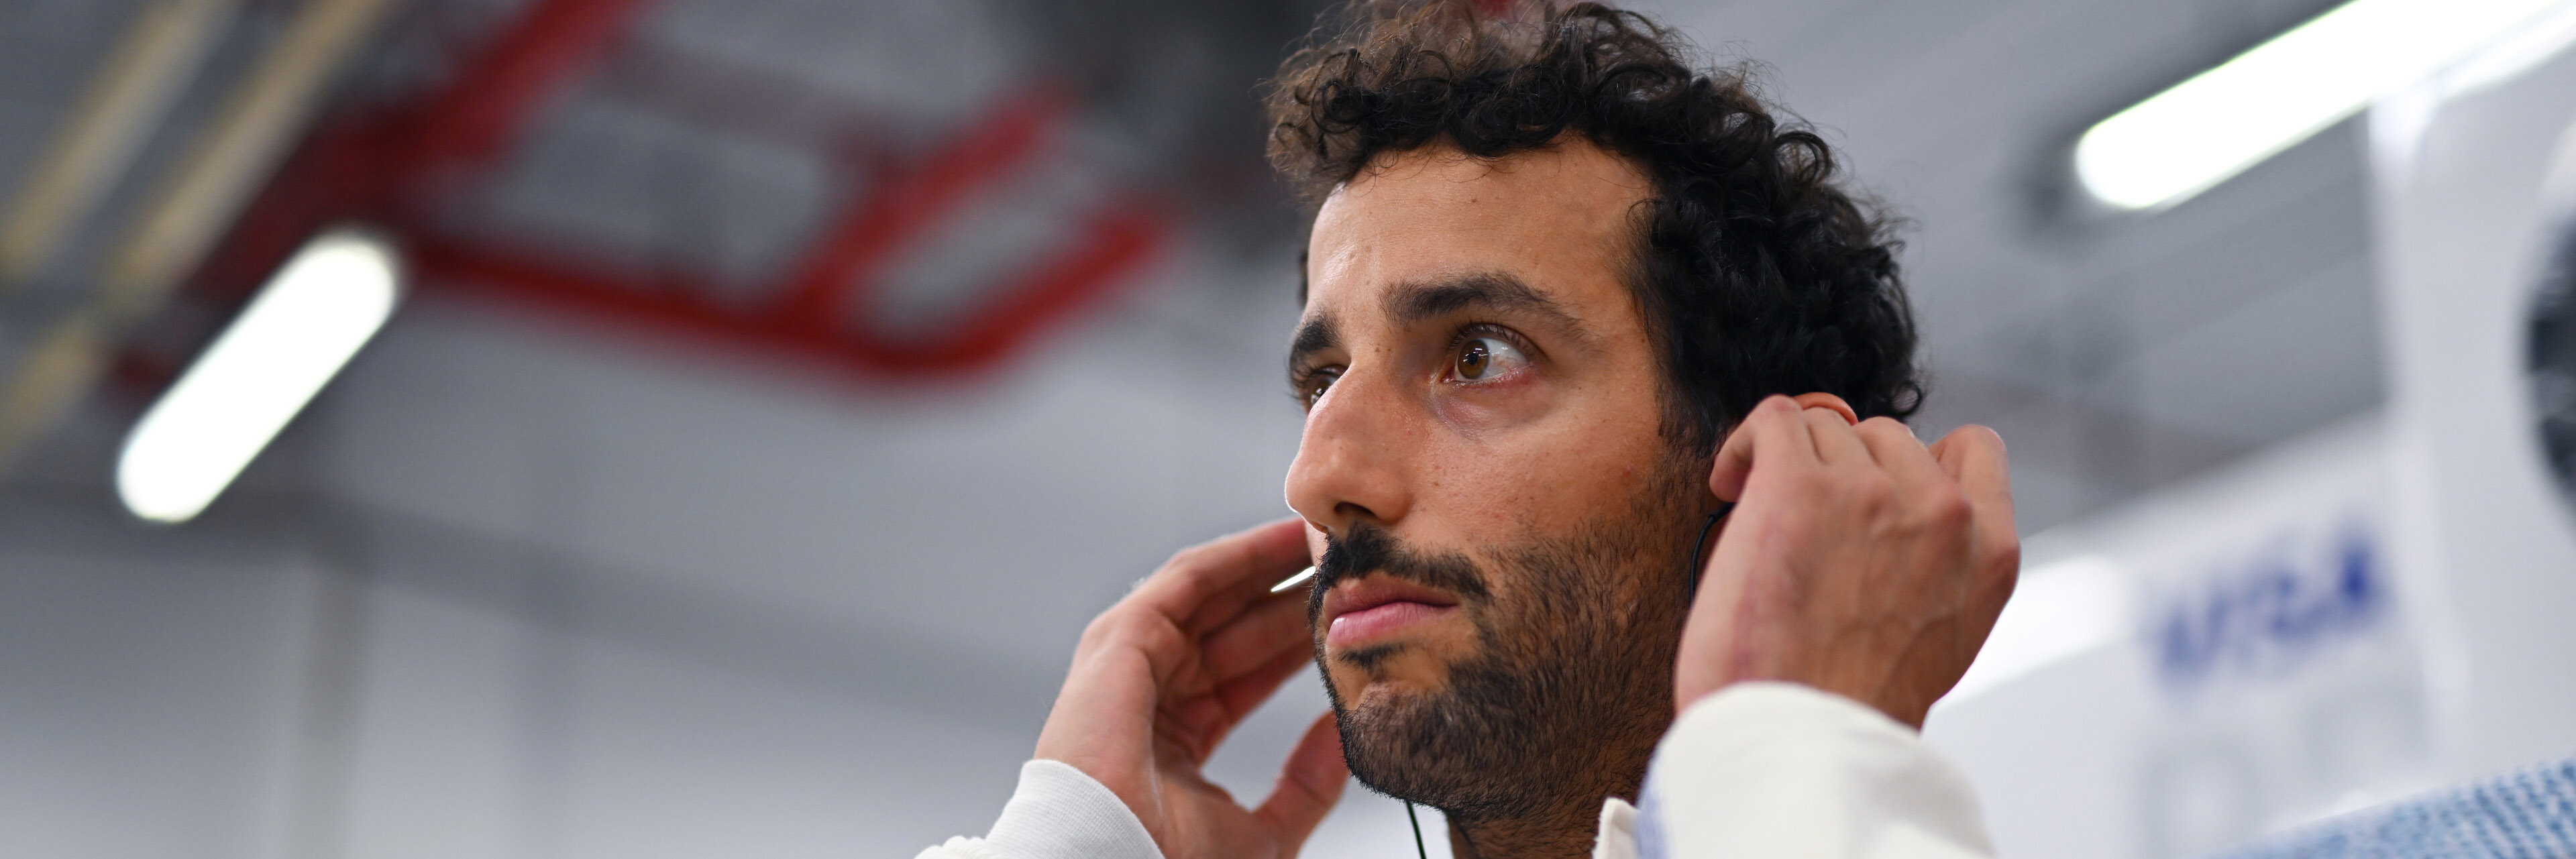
1836	442
1247	579
1241	664
1974	456
1822	400
1249	642
1201	722
1239	696
1252	639
1309	784
1774	433
1893	446
1205	584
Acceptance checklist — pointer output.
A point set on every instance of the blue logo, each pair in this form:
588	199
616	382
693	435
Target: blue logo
2267	616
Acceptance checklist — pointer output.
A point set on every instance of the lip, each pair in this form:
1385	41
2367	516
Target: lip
1375	607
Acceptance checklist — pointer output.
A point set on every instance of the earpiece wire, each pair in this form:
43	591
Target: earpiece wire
1698	548
1418	849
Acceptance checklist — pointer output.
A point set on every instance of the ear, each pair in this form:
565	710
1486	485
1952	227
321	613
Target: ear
1821	400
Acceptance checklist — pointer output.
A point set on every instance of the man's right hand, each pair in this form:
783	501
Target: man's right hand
1160	678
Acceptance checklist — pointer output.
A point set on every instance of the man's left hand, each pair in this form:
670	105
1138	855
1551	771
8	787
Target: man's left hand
1858	561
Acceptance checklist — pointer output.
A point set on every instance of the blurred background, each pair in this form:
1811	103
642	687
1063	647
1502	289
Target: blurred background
768	391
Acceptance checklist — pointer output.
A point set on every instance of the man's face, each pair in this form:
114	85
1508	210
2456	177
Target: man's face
1500	526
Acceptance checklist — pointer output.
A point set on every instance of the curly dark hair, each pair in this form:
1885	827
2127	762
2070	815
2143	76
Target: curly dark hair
1757	274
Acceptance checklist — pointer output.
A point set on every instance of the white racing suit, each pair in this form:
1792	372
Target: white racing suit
1770	770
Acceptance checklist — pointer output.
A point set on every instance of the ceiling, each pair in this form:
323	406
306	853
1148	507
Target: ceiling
592	371
716	139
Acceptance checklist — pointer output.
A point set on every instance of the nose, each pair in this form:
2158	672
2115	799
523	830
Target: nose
1350	460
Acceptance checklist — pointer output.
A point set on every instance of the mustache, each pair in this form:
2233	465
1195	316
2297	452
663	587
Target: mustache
1363	548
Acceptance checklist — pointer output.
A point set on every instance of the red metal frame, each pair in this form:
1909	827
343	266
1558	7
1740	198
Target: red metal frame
387	166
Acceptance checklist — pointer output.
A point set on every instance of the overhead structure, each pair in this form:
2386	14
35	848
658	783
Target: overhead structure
823	306
418	150
2184	140
132	93
224	166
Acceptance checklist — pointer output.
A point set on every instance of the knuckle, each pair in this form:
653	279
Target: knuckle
1946	506
1128	628
1121	621
1102	628
1192	561
2004	560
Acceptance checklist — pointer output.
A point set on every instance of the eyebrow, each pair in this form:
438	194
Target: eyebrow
1314	335
1414	301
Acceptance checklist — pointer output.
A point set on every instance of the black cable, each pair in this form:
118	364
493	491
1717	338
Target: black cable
1418	849
1697	547
1701	545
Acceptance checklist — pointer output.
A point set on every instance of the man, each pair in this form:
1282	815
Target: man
1557	281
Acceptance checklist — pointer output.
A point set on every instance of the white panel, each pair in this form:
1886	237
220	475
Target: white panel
438	767
2464	224
2267	668
150	693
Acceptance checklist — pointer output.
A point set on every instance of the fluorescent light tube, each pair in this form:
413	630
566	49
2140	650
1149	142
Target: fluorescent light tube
2182	141
290	340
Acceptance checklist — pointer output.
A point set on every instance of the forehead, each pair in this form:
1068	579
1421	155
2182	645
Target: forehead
1565	220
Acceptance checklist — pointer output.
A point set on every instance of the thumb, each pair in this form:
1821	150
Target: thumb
1309	784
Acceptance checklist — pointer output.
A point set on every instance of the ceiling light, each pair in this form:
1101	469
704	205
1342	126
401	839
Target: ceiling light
2182	141
290	340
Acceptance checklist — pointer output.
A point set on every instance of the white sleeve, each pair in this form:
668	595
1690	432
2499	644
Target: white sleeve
1781	770
1058	812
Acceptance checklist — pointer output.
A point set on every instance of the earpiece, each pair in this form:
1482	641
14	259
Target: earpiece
1698	548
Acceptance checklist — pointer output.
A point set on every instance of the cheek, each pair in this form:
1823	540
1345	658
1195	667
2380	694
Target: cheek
1500	490
1534	453
1549	477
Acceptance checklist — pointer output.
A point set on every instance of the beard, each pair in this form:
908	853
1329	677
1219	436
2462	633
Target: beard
1571	684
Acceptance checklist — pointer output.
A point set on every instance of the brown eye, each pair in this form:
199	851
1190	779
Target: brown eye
1316	386
1473	360
1481	357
